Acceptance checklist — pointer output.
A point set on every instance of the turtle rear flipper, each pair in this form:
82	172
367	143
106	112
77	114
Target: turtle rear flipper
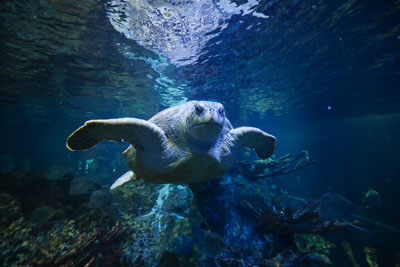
254	138
126	177
137	132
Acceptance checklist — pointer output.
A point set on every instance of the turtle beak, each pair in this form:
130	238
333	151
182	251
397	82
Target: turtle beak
206	122
211	116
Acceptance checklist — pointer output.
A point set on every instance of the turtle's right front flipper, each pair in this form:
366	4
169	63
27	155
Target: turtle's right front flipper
134	131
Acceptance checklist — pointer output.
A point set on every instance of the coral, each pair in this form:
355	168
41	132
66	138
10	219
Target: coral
312	243
238	261
232	221
285	258
370	254
219	203
349	252
24	244
250	218
76	234
9	206
297	222
147	220
316	259
271	167
16	244
85	249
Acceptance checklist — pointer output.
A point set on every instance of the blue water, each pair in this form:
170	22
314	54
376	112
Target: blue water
321	76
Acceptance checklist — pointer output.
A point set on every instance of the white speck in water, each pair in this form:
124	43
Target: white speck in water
329	108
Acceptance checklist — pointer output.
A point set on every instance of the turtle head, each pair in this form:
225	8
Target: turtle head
204	121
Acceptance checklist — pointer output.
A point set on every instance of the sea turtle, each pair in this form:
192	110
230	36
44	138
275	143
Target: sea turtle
187	143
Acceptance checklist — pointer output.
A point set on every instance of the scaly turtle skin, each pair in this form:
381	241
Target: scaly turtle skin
187	143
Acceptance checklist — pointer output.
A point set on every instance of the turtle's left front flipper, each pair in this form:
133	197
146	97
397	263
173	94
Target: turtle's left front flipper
254	138
140	133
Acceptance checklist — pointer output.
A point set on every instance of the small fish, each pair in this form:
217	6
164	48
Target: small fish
42	214
80	185
58	172
99	198
119	203
371	199
334	206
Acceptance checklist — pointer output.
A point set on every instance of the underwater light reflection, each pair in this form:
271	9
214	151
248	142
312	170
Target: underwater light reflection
177	30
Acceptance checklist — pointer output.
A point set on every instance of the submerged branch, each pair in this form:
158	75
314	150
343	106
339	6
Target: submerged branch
270	168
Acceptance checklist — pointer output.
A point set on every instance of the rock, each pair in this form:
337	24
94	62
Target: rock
151	225
10	208
219	202
161	225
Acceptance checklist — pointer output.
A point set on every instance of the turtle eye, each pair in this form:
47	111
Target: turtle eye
198	108
221	111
